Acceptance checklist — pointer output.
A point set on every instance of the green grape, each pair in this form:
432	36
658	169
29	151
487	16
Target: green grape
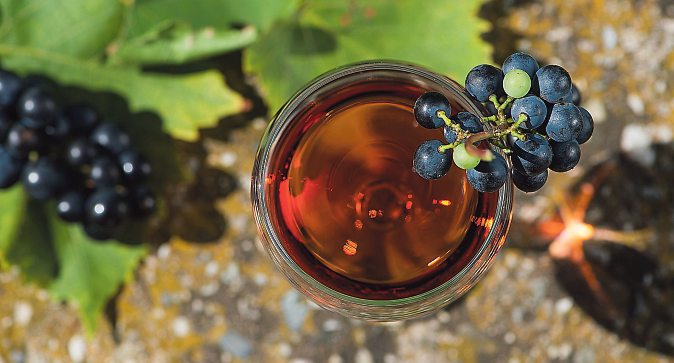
463	159
517	83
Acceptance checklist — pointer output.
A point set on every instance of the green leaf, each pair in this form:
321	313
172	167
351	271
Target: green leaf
80	28
184	102
177	43
222	14
24	237
12	205
90	272
32	247
443	35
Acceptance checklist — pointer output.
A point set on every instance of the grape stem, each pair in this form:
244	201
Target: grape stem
504	126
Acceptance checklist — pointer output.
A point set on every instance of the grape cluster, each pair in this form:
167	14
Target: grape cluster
535	118
69	154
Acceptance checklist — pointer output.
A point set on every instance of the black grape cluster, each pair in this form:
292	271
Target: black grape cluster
535	118
69	154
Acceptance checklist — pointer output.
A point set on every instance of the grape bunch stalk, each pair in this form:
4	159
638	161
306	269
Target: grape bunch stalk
67	153
535	119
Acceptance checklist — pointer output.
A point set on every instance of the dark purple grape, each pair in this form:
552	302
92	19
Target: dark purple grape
105	207
565	122
36	107
565	155
70	206
104	172
21	140
430	163
10	169
134	166
82	118
10	85
529	183
80	152
98	232
531	156
44	178
533	107
467	121
573	96
450	135
6	123
58	129
587	128
488	176
110	136
426	109
483	81
142	201
521	61
554	83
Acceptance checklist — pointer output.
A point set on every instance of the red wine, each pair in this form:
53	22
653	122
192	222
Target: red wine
351	211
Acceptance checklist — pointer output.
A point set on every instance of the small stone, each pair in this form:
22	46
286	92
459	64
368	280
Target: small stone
77	348
609	37
509	337
197	305
209	289
164	251
335	358
295	309
260	279
211	269
285	350
563	305
234	343
363	356
181	326
23	312
636	104
332	325
227	159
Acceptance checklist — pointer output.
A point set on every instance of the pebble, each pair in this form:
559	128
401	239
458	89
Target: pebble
285	350
181	326
23	312
234	343
509	337
335	358
332	325
211	269
609	37
563	305
77	348
363	356
636	104
228	159
209	289
295	309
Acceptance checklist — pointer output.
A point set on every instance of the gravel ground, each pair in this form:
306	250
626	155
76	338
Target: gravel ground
223	302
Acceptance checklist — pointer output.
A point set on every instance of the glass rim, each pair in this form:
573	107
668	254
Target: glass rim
283	119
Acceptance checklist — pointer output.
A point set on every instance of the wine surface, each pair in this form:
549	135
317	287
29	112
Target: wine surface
356	217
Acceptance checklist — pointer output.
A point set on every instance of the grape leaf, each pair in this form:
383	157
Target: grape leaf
90	272
32	247
443	35
177	43
81	28
184	102
221	14
12	205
